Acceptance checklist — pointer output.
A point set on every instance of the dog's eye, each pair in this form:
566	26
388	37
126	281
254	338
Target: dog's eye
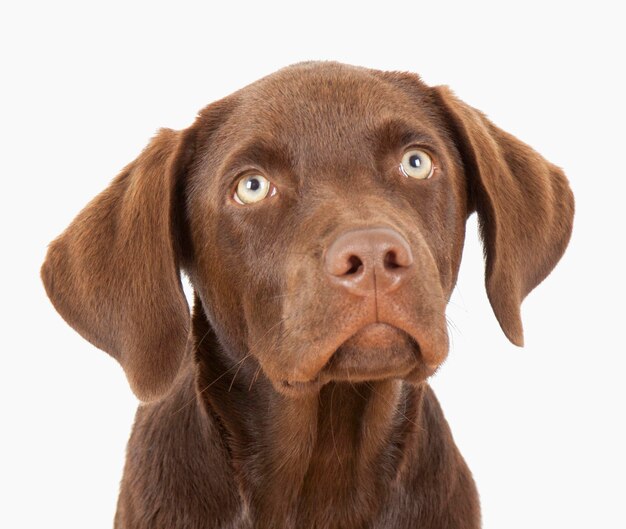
253	188
417	164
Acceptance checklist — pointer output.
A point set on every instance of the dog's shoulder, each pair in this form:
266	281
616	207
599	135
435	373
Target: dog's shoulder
177	466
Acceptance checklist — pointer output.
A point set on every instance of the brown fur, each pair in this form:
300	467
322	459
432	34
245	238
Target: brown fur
230	433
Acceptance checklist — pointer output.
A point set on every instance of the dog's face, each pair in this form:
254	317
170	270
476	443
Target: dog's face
340	204
320	215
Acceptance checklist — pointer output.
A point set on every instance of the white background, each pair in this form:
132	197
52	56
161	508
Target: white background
83	89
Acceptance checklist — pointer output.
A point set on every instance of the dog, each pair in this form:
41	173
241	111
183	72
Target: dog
319	214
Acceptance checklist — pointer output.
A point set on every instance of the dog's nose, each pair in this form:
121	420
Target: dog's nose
368	260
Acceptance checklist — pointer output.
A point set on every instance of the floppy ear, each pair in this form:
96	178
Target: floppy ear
113	273
525	208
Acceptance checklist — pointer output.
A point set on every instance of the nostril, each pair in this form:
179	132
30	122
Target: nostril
391	260
397	256
355	265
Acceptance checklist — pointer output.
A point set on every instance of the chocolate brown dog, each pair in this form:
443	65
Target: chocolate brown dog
320	216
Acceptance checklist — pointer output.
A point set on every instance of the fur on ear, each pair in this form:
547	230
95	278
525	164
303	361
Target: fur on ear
113	274
524	203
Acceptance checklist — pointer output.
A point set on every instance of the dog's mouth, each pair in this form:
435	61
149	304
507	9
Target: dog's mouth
377	351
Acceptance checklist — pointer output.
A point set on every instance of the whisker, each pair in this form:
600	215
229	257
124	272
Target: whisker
395	407
240	363
237	365
332	427
256	374
197	347
251	351
207	387
195	350
354	387
453	325
279	322
283	334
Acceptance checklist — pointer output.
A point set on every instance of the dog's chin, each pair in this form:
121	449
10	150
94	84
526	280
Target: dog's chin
378	351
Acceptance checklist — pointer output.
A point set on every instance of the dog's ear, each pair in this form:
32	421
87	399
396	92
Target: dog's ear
114	273
524	203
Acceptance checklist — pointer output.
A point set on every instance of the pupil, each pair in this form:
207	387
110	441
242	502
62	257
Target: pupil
253	184
415	161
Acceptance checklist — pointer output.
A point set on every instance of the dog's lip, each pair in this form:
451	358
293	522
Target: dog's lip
325	375
376	335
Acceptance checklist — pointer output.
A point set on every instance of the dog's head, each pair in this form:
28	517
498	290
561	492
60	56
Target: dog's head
320	215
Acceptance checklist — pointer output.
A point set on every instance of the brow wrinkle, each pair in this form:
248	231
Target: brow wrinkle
395	133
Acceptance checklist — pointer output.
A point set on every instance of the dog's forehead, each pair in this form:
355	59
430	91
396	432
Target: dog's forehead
314	102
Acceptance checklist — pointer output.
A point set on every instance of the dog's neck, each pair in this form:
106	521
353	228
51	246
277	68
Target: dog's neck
297	460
